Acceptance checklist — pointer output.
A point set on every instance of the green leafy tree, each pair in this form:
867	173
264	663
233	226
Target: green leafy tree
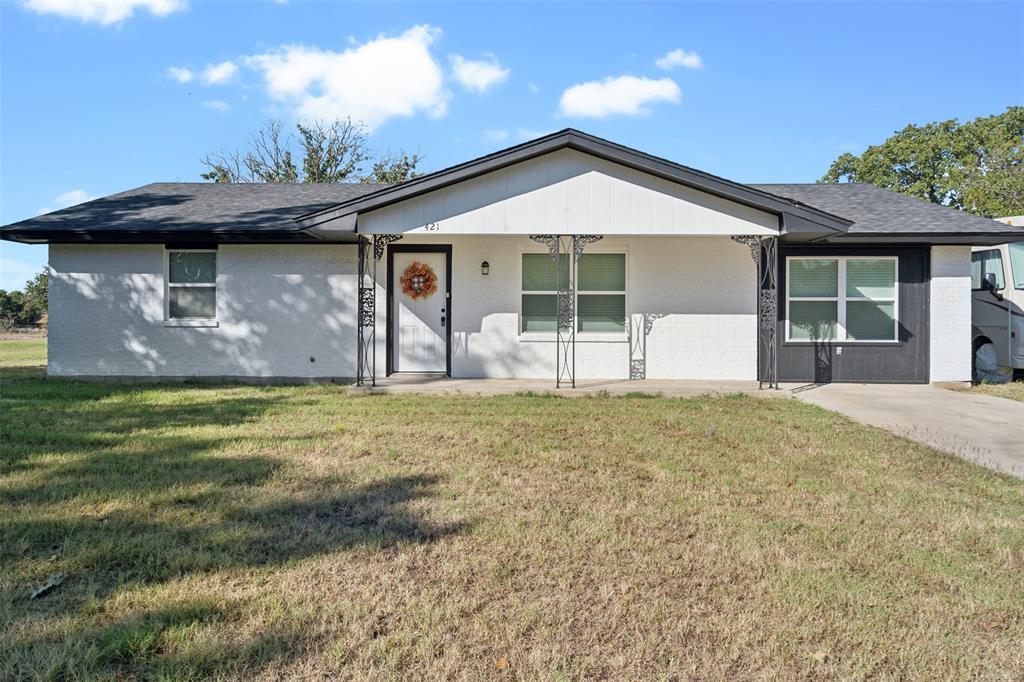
22	308
394	168
36	297
328	152
12	309
976	166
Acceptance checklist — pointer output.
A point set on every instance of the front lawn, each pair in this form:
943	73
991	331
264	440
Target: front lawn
308	532
1013	390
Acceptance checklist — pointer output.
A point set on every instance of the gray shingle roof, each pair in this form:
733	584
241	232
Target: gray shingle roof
268	211
875	210
177	207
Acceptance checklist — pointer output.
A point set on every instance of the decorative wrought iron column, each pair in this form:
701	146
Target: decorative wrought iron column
765	253
366	315
572	247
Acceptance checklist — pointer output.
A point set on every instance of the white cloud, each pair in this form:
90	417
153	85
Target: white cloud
533	87
496	135
217	105
215	74
625	95
371	83
105	12
180	74
69	198
478	75
690	60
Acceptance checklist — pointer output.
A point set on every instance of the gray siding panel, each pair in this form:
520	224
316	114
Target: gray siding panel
906	362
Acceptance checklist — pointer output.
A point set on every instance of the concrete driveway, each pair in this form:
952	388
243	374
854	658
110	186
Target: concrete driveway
981	428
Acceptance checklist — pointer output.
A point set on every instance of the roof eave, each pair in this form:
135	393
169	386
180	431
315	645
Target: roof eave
936	238
171	236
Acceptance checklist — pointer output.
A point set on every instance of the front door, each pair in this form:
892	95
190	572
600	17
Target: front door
419	314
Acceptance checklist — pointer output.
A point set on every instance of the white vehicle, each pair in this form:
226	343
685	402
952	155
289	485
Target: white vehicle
997	310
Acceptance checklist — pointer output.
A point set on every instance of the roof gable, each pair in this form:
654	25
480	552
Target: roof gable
343	215
567	192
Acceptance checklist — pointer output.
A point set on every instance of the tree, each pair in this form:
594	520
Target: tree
22	308
332	152
976	166
393	169
36	296
329	152
12	309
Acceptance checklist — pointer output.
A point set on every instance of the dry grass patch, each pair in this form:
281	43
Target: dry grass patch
1013	390
243	532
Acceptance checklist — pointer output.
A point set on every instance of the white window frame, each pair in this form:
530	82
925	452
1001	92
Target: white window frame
580	336
841	300
188	321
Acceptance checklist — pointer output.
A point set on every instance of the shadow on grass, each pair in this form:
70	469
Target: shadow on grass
115	490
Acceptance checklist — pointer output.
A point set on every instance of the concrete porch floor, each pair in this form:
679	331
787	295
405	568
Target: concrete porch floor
432	383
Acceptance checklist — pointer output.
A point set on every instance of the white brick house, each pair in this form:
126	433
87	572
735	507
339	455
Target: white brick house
654	269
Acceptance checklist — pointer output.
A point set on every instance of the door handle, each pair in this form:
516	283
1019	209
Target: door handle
442	320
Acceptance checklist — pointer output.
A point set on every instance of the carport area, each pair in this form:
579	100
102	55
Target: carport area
980	428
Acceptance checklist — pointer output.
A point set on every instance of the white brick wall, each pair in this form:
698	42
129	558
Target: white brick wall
700	292
277	307
950	354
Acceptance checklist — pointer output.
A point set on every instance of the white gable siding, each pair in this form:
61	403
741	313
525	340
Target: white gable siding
568	192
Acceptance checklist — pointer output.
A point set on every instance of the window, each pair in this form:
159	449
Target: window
842	298
600	292
987	263
1017	264
191	284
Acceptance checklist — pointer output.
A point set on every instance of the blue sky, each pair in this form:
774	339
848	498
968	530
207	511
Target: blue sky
100	97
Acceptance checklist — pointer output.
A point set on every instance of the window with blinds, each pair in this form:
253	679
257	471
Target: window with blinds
843	298
600	292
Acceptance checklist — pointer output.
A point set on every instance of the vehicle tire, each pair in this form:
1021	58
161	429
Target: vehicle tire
986	366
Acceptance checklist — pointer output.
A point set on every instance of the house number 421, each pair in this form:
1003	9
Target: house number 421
432	227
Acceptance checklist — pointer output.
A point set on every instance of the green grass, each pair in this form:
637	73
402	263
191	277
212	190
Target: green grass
18	356
309	532
1013	390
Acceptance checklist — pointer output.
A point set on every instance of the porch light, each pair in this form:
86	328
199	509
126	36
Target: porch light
485	268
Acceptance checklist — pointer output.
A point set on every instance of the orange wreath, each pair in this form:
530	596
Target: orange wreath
418	281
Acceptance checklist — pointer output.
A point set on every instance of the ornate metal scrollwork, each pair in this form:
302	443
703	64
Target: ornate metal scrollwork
550	241
754	243
580	242
640	326
765	253
565	301
366	315
380	243
366	306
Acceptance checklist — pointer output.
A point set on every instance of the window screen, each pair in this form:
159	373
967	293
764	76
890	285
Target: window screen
191	284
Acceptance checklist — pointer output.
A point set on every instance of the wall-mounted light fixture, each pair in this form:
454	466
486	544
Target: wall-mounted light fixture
485	268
